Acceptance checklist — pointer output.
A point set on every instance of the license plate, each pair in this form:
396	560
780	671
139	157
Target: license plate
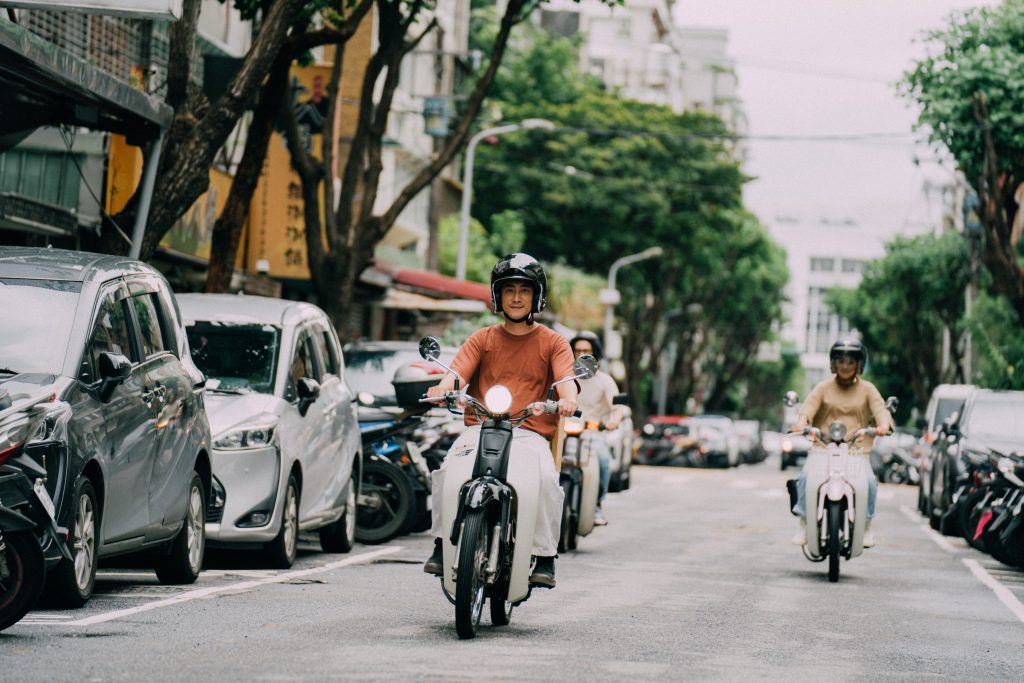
44	498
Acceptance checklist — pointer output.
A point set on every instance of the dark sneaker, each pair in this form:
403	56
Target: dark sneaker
543	573
599	518
435	564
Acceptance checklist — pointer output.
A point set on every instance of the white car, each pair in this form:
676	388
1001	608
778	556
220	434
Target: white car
286	442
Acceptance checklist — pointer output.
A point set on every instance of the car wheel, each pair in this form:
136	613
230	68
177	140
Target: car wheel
70	583
183	564
340	537
282	550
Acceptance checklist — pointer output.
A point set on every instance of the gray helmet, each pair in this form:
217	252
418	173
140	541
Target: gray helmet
522	267
851	346
594	340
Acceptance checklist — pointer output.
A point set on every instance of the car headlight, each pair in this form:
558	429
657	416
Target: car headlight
251	436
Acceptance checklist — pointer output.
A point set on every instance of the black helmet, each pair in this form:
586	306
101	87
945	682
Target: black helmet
589	336
854	347
519	267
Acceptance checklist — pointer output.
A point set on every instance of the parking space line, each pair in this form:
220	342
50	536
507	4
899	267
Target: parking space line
938	538
243	586
1001	591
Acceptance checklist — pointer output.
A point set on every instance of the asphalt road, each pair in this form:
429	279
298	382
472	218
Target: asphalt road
693	579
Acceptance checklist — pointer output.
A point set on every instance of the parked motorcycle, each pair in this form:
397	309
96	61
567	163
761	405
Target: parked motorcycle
837	483
29	537
580	479
490	505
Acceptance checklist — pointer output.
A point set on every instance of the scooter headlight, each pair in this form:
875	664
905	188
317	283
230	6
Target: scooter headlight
837	432
498	399
574	426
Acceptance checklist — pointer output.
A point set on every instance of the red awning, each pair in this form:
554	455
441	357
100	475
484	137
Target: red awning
442	284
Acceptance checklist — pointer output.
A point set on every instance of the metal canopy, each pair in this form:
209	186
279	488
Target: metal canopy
42	84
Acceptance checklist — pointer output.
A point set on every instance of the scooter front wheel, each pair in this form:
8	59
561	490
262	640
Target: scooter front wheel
835	524
471	583
21	576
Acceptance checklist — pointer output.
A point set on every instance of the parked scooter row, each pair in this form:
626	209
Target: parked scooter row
988	505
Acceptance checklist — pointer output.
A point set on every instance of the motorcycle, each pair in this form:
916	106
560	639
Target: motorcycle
490	505
580	479
837	476
30	540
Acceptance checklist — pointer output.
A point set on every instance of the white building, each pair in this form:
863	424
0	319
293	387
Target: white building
637	50
429	76
821	254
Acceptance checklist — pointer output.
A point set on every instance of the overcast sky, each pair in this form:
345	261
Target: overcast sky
827	67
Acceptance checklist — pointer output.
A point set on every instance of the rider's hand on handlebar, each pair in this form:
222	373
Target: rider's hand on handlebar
567	407
443	387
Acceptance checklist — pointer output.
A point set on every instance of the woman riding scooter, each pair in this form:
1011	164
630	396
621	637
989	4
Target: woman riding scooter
848	399
527	358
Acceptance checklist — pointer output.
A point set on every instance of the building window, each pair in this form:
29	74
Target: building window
853	266
822	265
824	326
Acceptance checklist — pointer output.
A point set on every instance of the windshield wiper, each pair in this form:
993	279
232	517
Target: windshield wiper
8	371
229	390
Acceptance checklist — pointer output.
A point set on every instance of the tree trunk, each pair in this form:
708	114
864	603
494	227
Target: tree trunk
227	231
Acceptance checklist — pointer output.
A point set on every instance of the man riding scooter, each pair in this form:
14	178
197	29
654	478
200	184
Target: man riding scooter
526	358
853	401
596	401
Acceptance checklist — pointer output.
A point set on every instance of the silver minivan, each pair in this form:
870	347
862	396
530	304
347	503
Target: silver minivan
285	436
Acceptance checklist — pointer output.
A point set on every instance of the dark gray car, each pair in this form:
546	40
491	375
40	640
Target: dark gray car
98	342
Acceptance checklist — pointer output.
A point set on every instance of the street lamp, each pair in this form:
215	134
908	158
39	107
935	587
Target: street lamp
467	181
610	296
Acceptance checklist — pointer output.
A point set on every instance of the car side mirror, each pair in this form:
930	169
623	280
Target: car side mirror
621	400
114	369
308	390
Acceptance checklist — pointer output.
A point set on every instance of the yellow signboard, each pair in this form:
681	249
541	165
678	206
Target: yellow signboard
277	226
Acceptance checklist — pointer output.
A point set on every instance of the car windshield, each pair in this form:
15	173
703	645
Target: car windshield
371	370
944	408
38	315
235	357
997	417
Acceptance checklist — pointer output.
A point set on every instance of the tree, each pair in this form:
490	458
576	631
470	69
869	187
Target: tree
621	176
998	344
341	245
200	128
901	307
971	94
274	93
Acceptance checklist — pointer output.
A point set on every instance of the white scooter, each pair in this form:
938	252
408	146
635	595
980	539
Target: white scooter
837	484
489	505
580	477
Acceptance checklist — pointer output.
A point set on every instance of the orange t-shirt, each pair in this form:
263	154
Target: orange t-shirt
526	364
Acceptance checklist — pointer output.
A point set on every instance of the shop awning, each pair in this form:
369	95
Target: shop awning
42	84
410	301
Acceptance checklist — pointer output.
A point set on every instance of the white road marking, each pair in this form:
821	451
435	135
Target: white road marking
938	538
243	586
1001	591
252	573
911	515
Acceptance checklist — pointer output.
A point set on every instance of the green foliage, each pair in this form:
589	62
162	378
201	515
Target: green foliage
980	52
482	249
997	343
900	308
573	296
